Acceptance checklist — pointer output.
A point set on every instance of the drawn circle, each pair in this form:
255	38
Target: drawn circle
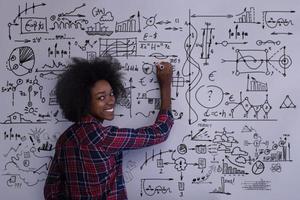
267	151
13	58
147	68
150	21
285	61
33	149
26	163
258	167
256	143
209	96
274	147
21	60
182	148
15	67
259	42
53	17
19	81
31	110
281	143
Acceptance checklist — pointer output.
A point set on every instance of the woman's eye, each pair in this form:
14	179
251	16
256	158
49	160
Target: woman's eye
101	98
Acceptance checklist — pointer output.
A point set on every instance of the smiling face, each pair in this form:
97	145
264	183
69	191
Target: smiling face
102	101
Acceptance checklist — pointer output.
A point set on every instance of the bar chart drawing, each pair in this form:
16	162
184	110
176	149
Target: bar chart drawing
221	189
130	25
279	156
229	170
247	16
98	29
254	85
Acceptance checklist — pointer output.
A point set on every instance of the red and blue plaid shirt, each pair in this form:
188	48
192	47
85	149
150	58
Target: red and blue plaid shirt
88	158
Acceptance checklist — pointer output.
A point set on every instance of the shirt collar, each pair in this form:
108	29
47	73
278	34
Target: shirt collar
89	118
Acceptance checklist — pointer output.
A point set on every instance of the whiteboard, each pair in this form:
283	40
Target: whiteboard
235	95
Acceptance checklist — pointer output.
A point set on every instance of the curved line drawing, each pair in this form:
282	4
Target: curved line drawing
188	48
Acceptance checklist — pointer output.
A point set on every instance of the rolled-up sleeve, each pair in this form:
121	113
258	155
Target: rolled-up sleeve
117	139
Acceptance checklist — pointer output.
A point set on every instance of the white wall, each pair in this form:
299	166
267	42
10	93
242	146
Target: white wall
235	92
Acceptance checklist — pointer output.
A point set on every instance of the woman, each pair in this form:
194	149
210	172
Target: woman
88	156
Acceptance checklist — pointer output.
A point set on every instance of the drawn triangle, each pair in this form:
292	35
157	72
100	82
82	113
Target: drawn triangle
287	103
246	129
197	136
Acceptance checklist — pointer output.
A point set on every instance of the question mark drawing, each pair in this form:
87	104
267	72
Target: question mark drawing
209	94
214	96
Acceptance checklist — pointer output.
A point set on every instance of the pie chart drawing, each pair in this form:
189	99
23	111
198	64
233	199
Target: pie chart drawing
258	167
21	61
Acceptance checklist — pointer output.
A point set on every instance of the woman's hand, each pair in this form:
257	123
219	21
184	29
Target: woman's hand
164	73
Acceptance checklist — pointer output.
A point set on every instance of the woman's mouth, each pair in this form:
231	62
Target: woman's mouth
110	110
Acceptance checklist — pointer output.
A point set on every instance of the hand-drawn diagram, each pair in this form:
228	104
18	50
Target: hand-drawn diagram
234	96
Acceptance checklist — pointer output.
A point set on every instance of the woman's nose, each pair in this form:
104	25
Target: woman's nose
111	100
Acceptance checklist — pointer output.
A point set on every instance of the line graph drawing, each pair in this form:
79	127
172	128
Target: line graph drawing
69	20
118	47
51	71
22	12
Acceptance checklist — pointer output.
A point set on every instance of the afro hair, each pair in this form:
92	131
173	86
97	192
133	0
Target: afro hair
74	85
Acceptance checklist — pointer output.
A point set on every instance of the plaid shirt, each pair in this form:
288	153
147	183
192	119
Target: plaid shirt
88	158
